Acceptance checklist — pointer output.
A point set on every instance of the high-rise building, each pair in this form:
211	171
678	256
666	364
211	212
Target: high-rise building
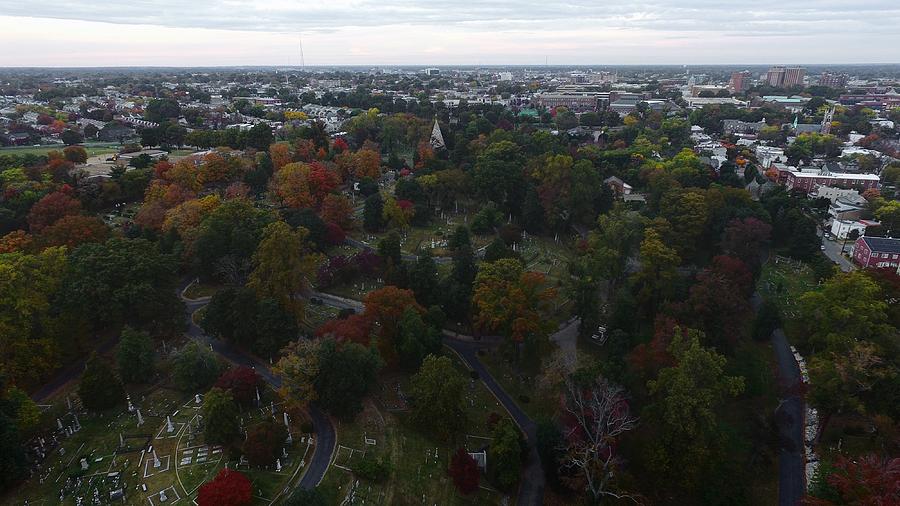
793	76
833	80
740	81
781	77
775	76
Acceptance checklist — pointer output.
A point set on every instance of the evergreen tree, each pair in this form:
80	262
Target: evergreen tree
220	417
135	357
100	386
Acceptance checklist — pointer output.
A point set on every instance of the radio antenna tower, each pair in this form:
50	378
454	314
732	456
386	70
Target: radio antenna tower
302	60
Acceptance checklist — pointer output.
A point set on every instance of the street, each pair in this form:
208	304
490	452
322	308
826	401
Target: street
833	252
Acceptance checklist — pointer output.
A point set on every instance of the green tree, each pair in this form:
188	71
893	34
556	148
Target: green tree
135	356
415	340
100	387
195	368
227	239
372	213
123	281
220	417
346	374
685	413
260	137
438	392
505	454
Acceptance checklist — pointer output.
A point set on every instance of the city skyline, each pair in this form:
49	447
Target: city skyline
455	33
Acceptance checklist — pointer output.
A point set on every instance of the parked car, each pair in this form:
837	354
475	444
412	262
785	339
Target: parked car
600	335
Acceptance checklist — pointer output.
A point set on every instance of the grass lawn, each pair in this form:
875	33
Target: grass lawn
43	150
784	281
417	462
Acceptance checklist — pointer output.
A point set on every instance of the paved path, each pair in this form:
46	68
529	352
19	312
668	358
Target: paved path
833	252
531	490
789	418
325	435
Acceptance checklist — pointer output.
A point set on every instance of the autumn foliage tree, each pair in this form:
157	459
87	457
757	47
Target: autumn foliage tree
510	300
73	230
243	383
51	208
866	480
264	442
301	185
228	488
464	472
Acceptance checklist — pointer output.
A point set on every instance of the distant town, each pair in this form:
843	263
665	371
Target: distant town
450	285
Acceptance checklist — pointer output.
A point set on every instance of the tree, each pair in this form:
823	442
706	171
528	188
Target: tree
416	340
464	472
51	208
505	454
74	230
260	137
889	215
29	339
346	373
596	414
282	266
239	316
298	368
264	443
498	174
228	488
159	110
70	137
220	417
301	185
75	154
13	462
195	368
511	301
372	213
687	398
243	382
745	239
135	357
658	263
868	479
337	209
423	280
123	281
438	393
100	387
229	235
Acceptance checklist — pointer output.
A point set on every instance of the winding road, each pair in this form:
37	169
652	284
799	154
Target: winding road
325	434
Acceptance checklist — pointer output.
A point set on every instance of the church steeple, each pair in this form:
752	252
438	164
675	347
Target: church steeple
437	139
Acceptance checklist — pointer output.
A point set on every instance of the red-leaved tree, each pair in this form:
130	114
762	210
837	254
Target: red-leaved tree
868	480
464	471
228	488
242	382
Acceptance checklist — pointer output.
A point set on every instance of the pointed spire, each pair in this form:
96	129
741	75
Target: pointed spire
437	139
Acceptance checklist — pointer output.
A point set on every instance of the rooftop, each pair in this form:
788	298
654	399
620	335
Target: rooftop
882	244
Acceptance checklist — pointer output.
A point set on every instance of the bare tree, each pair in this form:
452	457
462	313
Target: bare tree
596	414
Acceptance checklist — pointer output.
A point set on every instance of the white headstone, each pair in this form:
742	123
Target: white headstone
197	398
69	402
286	424
140	418
278	465
59	424
84	464
156	462
169	426
162	496
121	440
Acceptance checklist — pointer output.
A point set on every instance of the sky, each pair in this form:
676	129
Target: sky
446	32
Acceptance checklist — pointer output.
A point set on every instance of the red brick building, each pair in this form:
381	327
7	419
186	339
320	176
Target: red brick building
877	252
809	180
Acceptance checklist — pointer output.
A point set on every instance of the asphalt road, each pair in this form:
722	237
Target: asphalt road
833	251
531	489
790	418
325	435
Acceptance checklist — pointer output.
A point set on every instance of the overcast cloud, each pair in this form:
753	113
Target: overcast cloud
447	31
